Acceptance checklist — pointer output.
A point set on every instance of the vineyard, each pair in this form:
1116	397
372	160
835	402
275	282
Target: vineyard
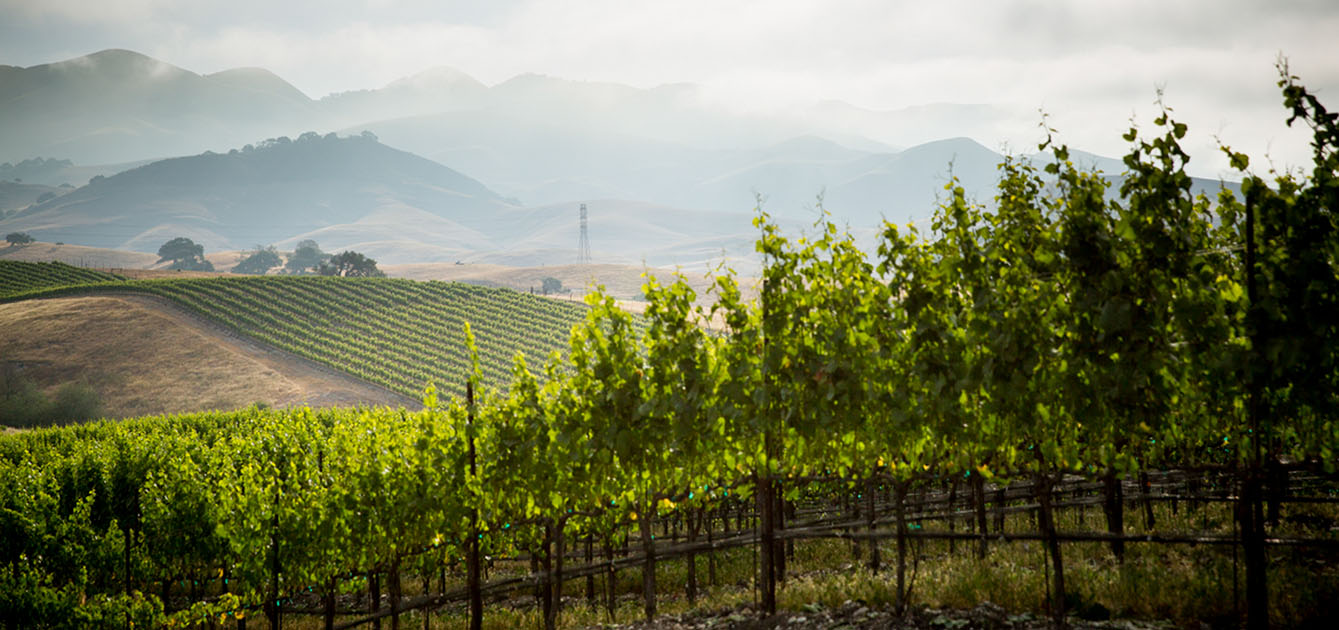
22	277
988	383
400	334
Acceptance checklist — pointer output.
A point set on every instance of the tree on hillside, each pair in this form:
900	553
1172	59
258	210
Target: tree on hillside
307	256
18	238
550	285
184	254
259	261
351	265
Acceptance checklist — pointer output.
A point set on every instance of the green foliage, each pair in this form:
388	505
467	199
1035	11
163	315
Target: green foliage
259	261
350	265
306	258
551	285
18	238
185	255
18	277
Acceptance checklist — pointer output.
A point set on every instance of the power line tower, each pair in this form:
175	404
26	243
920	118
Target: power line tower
583	246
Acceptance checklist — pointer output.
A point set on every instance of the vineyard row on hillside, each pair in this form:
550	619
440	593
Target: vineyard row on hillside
20	277
400	334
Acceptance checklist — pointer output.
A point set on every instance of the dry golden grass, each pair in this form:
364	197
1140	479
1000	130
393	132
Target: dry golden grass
144	356
621	281
141	274
78	255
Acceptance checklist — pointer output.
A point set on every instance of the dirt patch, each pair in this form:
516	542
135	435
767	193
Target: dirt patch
145	355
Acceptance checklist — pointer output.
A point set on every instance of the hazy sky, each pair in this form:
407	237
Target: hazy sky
1090	64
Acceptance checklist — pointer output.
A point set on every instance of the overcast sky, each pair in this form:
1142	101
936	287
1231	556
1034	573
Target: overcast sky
1090	64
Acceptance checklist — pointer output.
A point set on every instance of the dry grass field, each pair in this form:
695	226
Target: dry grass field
77	255
621	281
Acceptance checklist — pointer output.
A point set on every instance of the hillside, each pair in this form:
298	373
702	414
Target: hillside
15	196
262	194
145	355
143	108
77	255
19	277
399	334
63	175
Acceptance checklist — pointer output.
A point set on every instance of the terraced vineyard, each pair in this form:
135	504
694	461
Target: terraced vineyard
400	334
19	277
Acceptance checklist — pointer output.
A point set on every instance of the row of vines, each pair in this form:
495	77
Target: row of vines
19	277
1074	330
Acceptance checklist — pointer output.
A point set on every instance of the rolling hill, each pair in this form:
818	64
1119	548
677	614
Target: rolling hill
399	334
279	190
356	193
145	355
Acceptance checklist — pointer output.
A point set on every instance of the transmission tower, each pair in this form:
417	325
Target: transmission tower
583	246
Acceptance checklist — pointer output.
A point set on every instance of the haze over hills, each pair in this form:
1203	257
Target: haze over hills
477	173
356	193
539	139
119	106
260	194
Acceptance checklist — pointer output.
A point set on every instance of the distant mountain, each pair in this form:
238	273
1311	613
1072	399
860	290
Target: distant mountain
258	195
119	105
356	193
917	124
539	139
670	177
431	91
59	173
15	196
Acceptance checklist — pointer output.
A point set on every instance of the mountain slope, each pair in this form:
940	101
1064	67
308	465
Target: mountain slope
119	105
259	195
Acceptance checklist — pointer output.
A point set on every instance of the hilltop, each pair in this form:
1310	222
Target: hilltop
93	108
